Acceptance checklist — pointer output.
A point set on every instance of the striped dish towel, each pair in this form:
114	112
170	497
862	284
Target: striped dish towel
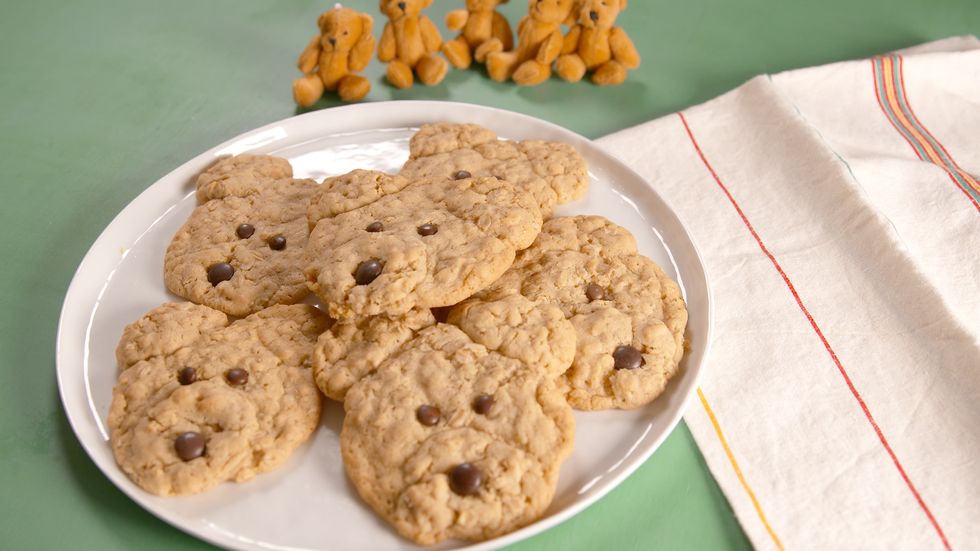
837	210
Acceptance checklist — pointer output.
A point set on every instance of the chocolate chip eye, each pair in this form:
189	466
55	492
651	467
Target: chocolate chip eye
627	357
222	271
236	376
189	445
375	227
368	271
462	174
428	415
426	230
465	479
245	231
483	404
595	292
186	376
277	243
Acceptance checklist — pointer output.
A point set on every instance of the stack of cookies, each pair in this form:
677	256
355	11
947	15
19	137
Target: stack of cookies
457	320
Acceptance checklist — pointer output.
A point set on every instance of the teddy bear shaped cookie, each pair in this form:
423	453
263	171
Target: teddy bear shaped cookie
479	22
460	432
553	172
539	43
629	316
410	43
331	59
202	400
241	249
595	44
384	244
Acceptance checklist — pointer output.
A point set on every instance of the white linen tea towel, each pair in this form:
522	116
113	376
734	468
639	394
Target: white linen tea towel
837	210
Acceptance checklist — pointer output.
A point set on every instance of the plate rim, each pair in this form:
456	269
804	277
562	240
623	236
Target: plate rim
430	108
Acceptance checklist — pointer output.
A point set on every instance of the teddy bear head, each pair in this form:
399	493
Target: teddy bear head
483	5
550	11
599	14
396	9
342	28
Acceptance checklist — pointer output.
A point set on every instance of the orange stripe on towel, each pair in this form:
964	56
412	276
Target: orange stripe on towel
738	470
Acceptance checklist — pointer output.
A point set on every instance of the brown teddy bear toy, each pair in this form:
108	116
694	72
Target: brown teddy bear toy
343	47
479	22
594	44
410	42
539	42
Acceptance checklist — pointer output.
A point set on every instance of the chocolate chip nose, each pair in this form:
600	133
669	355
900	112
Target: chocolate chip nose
401	5
333	41
593	16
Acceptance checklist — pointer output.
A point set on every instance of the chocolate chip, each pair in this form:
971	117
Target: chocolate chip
222	271
245	231
441	313
428	229
236	376
189	445
595	292
462	174
368	271
465	479
277	243
428	415
627	357
375	227
483	403
186	376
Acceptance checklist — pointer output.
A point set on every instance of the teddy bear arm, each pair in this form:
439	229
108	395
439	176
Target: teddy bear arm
430	35
311	54
360	55
456	19
386	49
549	51
501	31
623	49
570	42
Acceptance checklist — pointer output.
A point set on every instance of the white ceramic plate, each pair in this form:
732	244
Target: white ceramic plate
308	503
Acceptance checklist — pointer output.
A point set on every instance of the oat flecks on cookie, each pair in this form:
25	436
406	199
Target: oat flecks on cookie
385	244
553	172
628	315
241	249
460	433
201	401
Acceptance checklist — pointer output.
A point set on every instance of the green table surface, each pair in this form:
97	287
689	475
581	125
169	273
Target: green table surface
98	99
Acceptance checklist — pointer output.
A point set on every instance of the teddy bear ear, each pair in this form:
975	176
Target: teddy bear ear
622	4
573	13
426	3
367	22
322	20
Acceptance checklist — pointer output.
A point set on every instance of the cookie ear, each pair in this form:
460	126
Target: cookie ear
513	326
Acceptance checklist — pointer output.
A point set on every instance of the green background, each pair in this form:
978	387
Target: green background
98	99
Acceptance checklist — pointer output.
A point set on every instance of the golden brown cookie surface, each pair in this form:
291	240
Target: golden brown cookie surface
233	402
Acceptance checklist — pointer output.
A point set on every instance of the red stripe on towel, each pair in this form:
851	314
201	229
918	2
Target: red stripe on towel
819	332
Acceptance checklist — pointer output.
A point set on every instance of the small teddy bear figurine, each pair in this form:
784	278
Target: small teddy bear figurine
410	42
539	42
479	22
594	44
343	47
